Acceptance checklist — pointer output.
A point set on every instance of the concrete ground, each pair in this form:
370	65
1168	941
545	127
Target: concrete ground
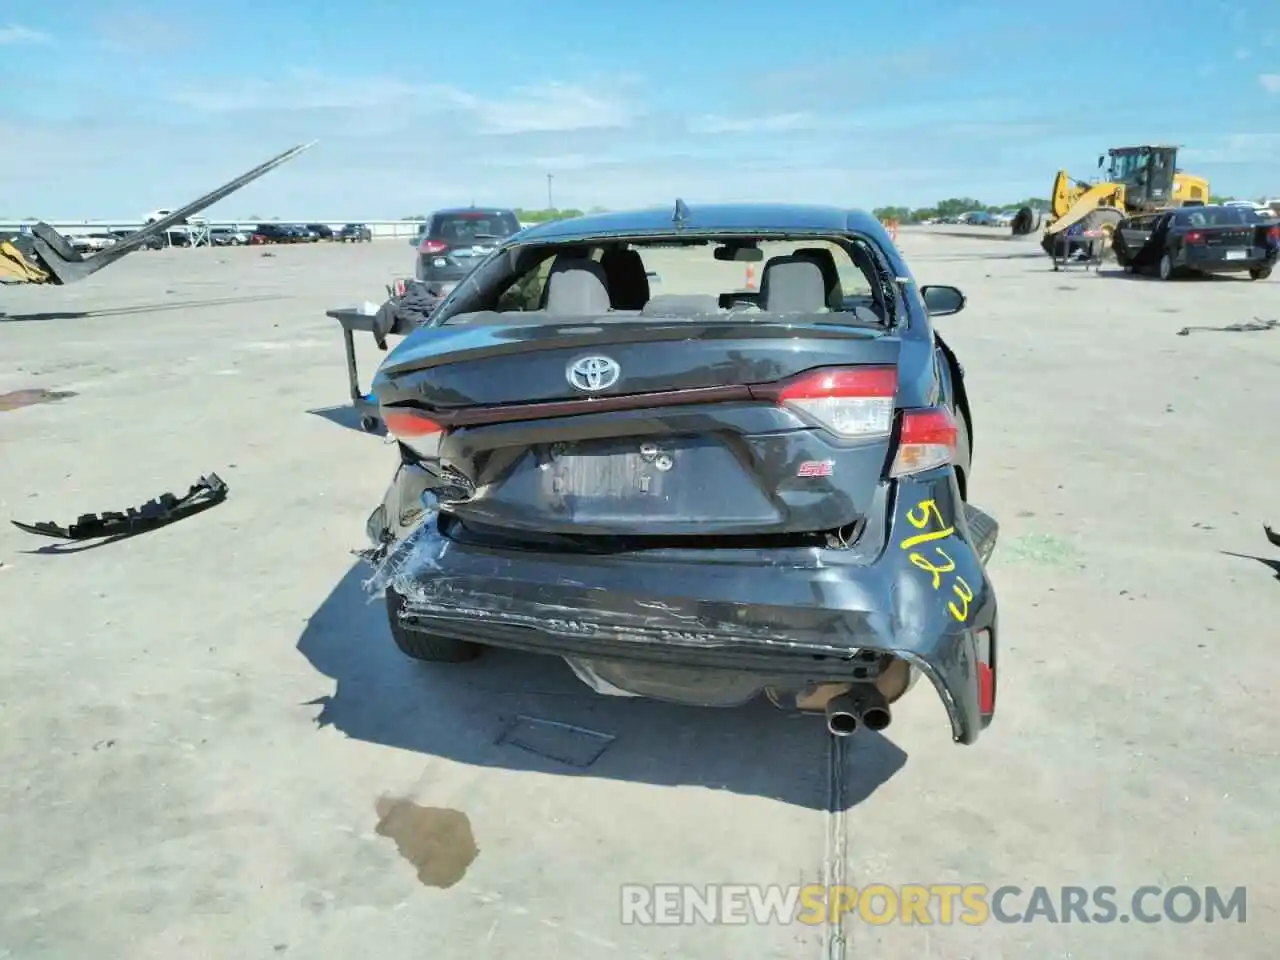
211	748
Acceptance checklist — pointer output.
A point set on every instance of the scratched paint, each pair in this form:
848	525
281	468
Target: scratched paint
934	560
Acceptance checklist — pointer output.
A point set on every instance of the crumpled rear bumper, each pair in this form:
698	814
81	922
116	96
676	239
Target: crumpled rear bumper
913	587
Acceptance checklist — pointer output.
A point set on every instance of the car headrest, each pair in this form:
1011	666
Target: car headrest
826	262
628	281
577	288
792	285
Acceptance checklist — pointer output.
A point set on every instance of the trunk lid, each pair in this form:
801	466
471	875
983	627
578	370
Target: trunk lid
644	429
1232	235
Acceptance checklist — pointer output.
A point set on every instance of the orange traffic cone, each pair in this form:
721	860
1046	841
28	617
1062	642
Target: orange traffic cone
751	277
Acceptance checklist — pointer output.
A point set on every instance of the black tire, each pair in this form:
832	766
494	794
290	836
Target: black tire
1262	273
1025	221
1165	269
423	646
1106	219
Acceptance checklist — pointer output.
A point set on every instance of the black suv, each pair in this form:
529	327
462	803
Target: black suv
355	232
321	230
272	233
454	241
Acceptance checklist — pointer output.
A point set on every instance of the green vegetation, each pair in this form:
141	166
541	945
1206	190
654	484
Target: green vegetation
545	216
532	216
953	207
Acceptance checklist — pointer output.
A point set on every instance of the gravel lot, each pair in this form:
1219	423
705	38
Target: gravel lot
210	745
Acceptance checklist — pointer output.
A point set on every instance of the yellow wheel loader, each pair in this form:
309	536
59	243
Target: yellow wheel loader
44	256
1138	179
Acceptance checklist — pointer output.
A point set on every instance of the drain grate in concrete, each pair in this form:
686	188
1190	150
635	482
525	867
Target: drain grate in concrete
17	399
576	746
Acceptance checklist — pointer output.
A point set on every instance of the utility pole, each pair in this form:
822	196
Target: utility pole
550	203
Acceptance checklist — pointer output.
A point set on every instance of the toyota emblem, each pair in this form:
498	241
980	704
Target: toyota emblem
593	374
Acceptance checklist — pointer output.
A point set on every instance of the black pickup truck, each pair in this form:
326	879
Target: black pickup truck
1204	239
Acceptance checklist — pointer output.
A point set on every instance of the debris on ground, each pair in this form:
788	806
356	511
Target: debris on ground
1257	325
162	511
563	742
17	399
1272	535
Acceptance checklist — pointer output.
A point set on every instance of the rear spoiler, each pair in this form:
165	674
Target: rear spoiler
66	264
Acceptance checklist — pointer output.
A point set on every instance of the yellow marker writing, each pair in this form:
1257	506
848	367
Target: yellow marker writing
918	560
964	593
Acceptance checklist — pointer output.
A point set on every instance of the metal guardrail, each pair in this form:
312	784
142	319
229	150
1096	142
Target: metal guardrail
380	228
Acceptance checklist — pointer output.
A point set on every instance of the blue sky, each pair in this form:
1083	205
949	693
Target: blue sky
118	107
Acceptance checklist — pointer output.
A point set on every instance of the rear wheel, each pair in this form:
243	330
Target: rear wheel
1104	220
1262	273
1166	268
423	646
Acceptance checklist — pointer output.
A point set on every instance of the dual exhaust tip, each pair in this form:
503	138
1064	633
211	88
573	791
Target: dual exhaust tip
860	707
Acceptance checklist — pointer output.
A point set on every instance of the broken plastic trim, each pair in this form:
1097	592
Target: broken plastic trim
162	511
401	565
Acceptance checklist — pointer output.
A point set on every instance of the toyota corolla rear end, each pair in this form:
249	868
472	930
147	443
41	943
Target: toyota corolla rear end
693	510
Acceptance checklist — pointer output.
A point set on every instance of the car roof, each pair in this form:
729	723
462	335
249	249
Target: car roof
455	210
710	218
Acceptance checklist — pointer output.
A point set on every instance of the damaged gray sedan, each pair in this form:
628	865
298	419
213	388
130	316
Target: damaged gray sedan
617	448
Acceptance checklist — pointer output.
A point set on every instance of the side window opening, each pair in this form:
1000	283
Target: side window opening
526	291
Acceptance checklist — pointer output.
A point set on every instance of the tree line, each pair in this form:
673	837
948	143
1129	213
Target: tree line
956	206
953	207
537	216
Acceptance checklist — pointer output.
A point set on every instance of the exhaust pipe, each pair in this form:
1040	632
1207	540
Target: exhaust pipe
862	706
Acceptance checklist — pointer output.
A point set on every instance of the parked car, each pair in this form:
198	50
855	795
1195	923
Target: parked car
91	242
321	230
272	233
454	241
702	495
227	237
1216	238
355	233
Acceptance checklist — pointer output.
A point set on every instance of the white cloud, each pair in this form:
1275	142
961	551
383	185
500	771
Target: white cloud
771	123
298	90
1270	82
14	34
550	108
1236	148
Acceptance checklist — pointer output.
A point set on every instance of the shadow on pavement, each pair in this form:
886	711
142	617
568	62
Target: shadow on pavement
1272	565
143	308
466	712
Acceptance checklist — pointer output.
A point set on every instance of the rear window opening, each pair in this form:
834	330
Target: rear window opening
472	225
841	281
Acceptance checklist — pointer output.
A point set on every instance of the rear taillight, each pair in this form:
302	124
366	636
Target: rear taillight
928	439
432	247
409	426
851	402
986	675
1273	235
1193	236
